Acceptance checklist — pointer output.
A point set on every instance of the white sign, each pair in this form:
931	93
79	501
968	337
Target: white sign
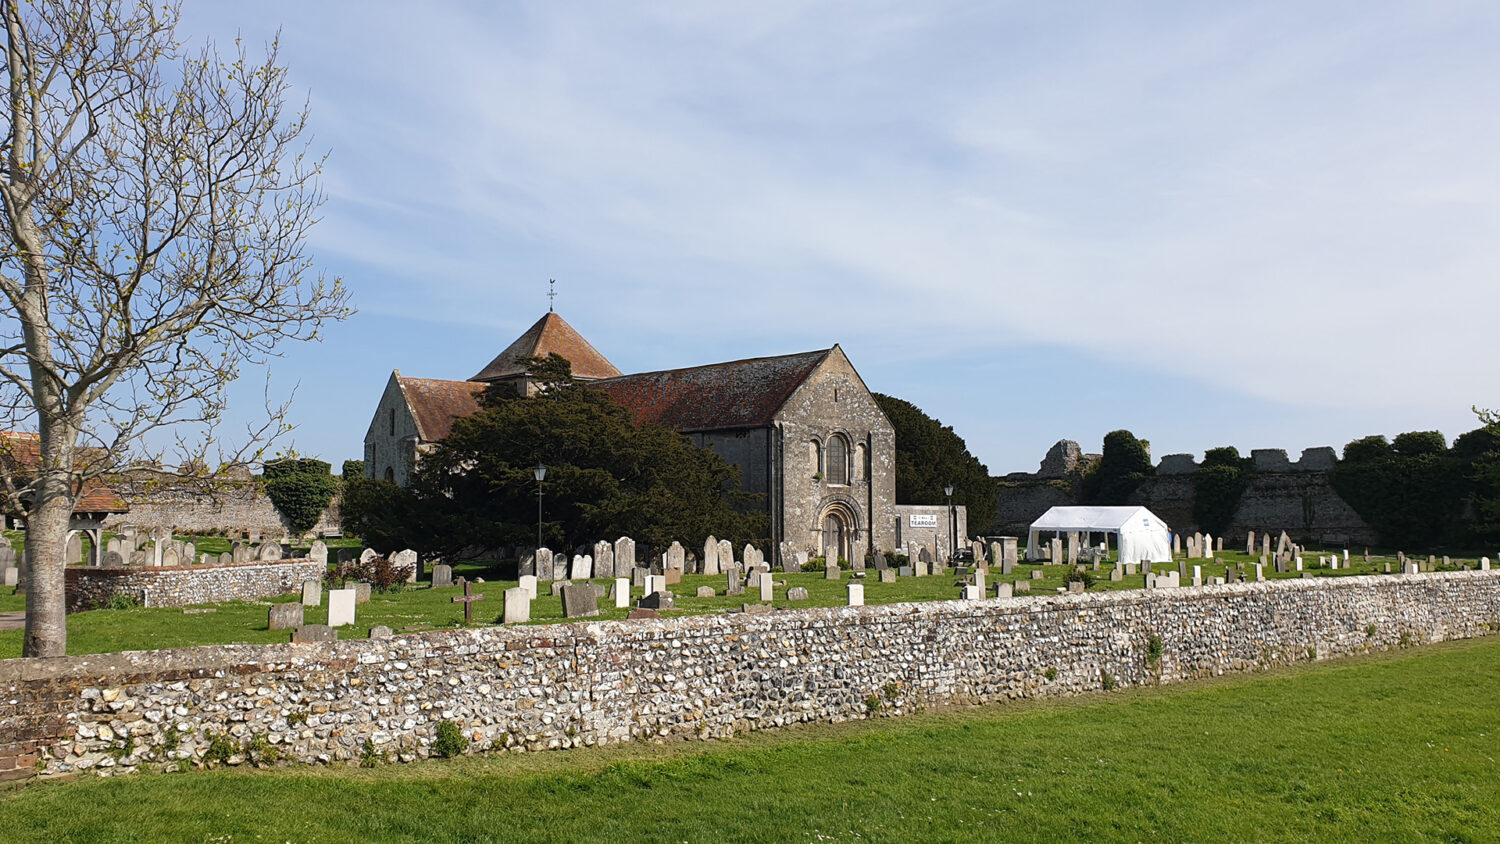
918	521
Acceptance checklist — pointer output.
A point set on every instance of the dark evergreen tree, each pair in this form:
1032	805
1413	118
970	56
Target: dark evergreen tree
930	455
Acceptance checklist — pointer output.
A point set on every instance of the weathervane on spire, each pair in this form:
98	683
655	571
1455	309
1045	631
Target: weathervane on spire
552	295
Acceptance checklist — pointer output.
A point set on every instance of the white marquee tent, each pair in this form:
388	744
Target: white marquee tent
1143	537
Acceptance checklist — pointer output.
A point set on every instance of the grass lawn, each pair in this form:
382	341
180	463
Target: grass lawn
424	608
1397	746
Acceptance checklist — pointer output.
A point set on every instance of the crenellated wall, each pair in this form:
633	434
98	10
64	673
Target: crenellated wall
701	677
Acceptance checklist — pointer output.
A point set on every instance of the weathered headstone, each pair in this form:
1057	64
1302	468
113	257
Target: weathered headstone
528	582
1038	574
318	553
312	593
580	600
1075	586
672	577
517	606
907	571
11	575
1250	543
1117	574
380	631
583	567
361	593
1004	590
856	594
442	576
707	592
624	556
887	575
268	552
112	560
766	588
285	616
621	592
1022	586
340	607
796	593
655	583
676	556
831	572
543	562
367	555
557	587
315	633
1260	572
711	555
1484	563
1197	575
638	577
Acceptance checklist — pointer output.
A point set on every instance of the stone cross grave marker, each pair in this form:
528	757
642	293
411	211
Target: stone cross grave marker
467	599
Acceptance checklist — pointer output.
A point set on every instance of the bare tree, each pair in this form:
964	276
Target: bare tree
155	206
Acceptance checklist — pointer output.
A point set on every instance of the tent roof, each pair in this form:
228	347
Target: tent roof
1093	518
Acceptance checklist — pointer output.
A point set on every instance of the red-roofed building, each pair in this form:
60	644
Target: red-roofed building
803	429
21	454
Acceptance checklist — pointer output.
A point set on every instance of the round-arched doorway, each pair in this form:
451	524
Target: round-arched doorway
835	538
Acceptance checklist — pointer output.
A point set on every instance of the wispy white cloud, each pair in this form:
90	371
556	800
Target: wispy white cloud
1287	200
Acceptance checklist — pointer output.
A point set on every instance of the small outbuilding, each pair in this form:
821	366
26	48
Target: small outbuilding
1141	535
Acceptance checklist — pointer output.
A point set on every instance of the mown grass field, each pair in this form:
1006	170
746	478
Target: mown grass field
1395	747
423	608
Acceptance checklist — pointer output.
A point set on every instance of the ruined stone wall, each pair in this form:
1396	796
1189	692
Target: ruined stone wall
182	586
575	685
205	508
1295	496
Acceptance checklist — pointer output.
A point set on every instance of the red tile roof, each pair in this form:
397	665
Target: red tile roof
550	334
738	394
435	404
22	454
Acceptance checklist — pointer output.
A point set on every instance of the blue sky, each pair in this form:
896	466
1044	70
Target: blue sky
1268	225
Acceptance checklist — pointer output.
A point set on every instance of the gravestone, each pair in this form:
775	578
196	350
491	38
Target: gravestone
604	559
655	601
583	567
1056	547
367	555
11	576
711	555
624	556
112	560
655	583
1484	563
285	616
1022	586
314	633
560	568
796	593
1250	543
638	577
906	571
1182	568
516	606
543	563
74	551
1004	590
735	585
856	594
1176	543
1038	574
707	592
831	572
318	553
467	599
726	554
766	588
528	582
1117	574
1411	568
340	607
580	600
1220	546
1072	547
1208	545
1076	586
380	631
361	593
1197	575
1260	572
676	556
672	577
526	565
622	592
557	587
312	593
442	576
407	559
268	552
887	575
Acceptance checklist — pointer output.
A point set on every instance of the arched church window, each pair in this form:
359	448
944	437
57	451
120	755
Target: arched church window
838	459
390	474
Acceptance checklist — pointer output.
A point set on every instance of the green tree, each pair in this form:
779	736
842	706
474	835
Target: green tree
1411	492
301	489
1124	466
1218	486
930	455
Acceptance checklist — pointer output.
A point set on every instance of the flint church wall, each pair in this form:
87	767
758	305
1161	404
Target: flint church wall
573	685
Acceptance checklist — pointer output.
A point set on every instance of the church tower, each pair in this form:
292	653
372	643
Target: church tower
551	334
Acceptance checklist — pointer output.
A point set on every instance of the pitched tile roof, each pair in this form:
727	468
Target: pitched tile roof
738	394
435	404
550	334
22	454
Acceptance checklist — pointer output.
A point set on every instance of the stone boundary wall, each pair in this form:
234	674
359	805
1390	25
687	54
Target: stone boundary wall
702	677
182	586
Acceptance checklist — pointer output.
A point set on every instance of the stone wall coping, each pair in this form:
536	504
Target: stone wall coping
223	660
129	570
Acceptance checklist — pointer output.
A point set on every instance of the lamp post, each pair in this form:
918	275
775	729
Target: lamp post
952	522
540	472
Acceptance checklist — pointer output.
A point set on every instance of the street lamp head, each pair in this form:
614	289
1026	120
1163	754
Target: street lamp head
540	471
948	490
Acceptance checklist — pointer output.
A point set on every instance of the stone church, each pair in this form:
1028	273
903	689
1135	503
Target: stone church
802	428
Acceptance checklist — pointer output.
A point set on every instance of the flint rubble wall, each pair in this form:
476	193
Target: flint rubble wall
182	586
571	685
